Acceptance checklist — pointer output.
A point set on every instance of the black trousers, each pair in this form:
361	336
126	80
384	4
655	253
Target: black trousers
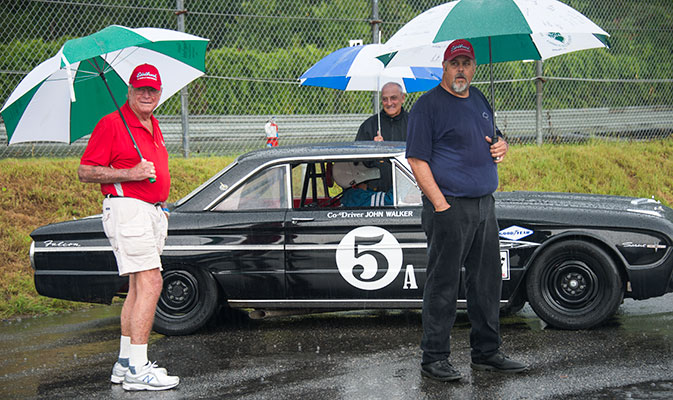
464	235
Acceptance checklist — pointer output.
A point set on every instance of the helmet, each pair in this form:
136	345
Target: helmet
347	174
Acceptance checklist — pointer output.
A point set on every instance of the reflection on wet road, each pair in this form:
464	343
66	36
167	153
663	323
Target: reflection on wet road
348	355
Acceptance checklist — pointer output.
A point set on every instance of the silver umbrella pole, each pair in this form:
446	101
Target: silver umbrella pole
490	63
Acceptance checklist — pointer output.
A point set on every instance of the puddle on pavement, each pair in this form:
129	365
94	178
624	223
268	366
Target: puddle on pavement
30	347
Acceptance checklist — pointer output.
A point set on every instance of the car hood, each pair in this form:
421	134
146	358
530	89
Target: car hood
585	210
584	201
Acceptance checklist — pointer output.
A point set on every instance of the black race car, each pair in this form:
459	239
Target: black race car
269	233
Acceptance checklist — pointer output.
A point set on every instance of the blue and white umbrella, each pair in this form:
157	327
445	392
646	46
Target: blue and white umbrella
358	68
361	68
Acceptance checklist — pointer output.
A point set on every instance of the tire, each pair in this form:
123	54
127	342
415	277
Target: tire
574	285
188	300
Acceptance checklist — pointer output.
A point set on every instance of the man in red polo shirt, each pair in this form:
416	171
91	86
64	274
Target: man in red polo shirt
134	218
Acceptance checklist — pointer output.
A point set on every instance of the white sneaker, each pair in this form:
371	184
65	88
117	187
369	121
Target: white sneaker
118	372
149	377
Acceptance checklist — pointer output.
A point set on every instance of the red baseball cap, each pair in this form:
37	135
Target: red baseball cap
460	47
145	75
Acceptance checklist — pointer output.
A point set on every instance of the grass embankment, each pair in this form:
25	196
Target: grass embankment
35	192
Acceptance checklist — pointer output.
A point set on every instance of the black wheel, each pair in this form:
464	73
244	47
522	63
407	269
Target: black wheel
188	300
574	285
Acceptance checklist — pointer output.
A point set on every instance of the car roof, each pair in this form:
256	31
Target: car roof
323	150
247	163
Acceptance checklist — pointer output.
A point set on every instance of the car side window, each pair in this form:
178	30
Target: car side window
312	185
265	190
365	183
408	194
327	184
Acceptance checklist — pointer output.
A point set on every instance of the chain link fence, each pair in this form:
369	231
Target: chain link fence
259	48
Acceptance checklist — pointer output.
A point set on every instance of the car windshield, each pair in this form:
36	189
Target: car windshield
408	193
264	191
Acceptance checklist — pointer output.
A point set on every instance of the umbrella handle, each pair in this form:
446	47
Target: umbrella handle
152	180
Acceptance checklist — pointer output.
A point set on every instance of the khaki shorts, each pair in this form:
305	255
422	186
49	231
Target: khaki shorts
137	231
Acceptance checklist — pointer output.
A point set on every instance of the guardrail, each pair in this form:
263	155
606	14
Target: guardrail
235	134
577	125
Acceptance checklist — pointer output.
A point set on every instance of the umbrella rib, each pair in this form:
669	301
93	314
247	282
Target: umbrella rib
121	55
127	52
77	79
100	71
92	61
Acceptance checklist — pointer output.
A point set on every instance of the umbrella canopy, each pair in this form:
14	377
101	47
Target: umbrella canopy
516	30
499	30
64	97
358	68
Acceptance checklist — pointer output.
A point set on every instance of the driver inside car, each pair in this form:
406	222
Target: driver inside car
353	178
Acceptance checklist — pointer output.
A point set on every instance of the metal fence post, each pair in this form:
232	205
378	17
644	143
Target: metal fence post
376	38
538	102
184	97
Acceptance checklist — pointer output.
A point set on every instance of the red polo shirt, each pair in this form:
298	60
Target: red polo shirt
111	146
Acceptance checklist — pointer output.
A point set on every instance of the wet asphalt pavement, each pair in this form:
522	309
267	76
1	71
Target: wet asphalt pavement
347	355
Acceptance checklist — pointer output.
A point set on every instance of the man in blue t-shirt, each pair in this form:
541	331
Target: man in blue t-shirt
454	158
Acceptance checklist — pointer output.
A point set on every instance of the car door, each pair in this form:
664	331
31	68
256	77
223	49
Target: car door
240	239
337	253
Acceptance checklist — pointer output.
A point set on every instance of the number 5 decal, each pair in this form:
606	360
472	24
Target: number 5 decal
372	250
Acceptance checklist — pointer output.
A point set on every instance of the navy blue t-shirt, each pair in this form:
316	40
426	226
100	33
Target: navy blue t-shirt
448	133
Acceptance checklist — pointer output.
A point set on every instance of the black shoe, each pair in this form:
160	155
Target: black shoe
440	371
499	362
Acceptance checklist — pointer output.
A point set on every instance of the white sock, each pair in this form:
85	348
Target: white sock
124	347
138	356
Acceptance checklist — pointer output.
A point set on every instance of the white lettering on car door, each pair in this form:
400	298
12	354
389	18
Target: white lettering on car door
409	278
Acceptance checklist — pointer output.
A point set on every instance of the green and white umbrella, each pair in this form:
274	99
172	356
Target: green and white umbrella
64	97
510	30
499	30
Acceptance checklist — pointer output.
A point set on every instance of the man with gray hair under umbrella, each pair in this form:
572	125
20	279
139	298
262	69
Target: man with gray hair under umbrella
454	158
135	218
390	124
393	117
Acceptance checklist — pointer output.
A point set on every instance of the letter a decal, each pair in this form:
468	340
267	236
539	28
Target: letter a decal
409	278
